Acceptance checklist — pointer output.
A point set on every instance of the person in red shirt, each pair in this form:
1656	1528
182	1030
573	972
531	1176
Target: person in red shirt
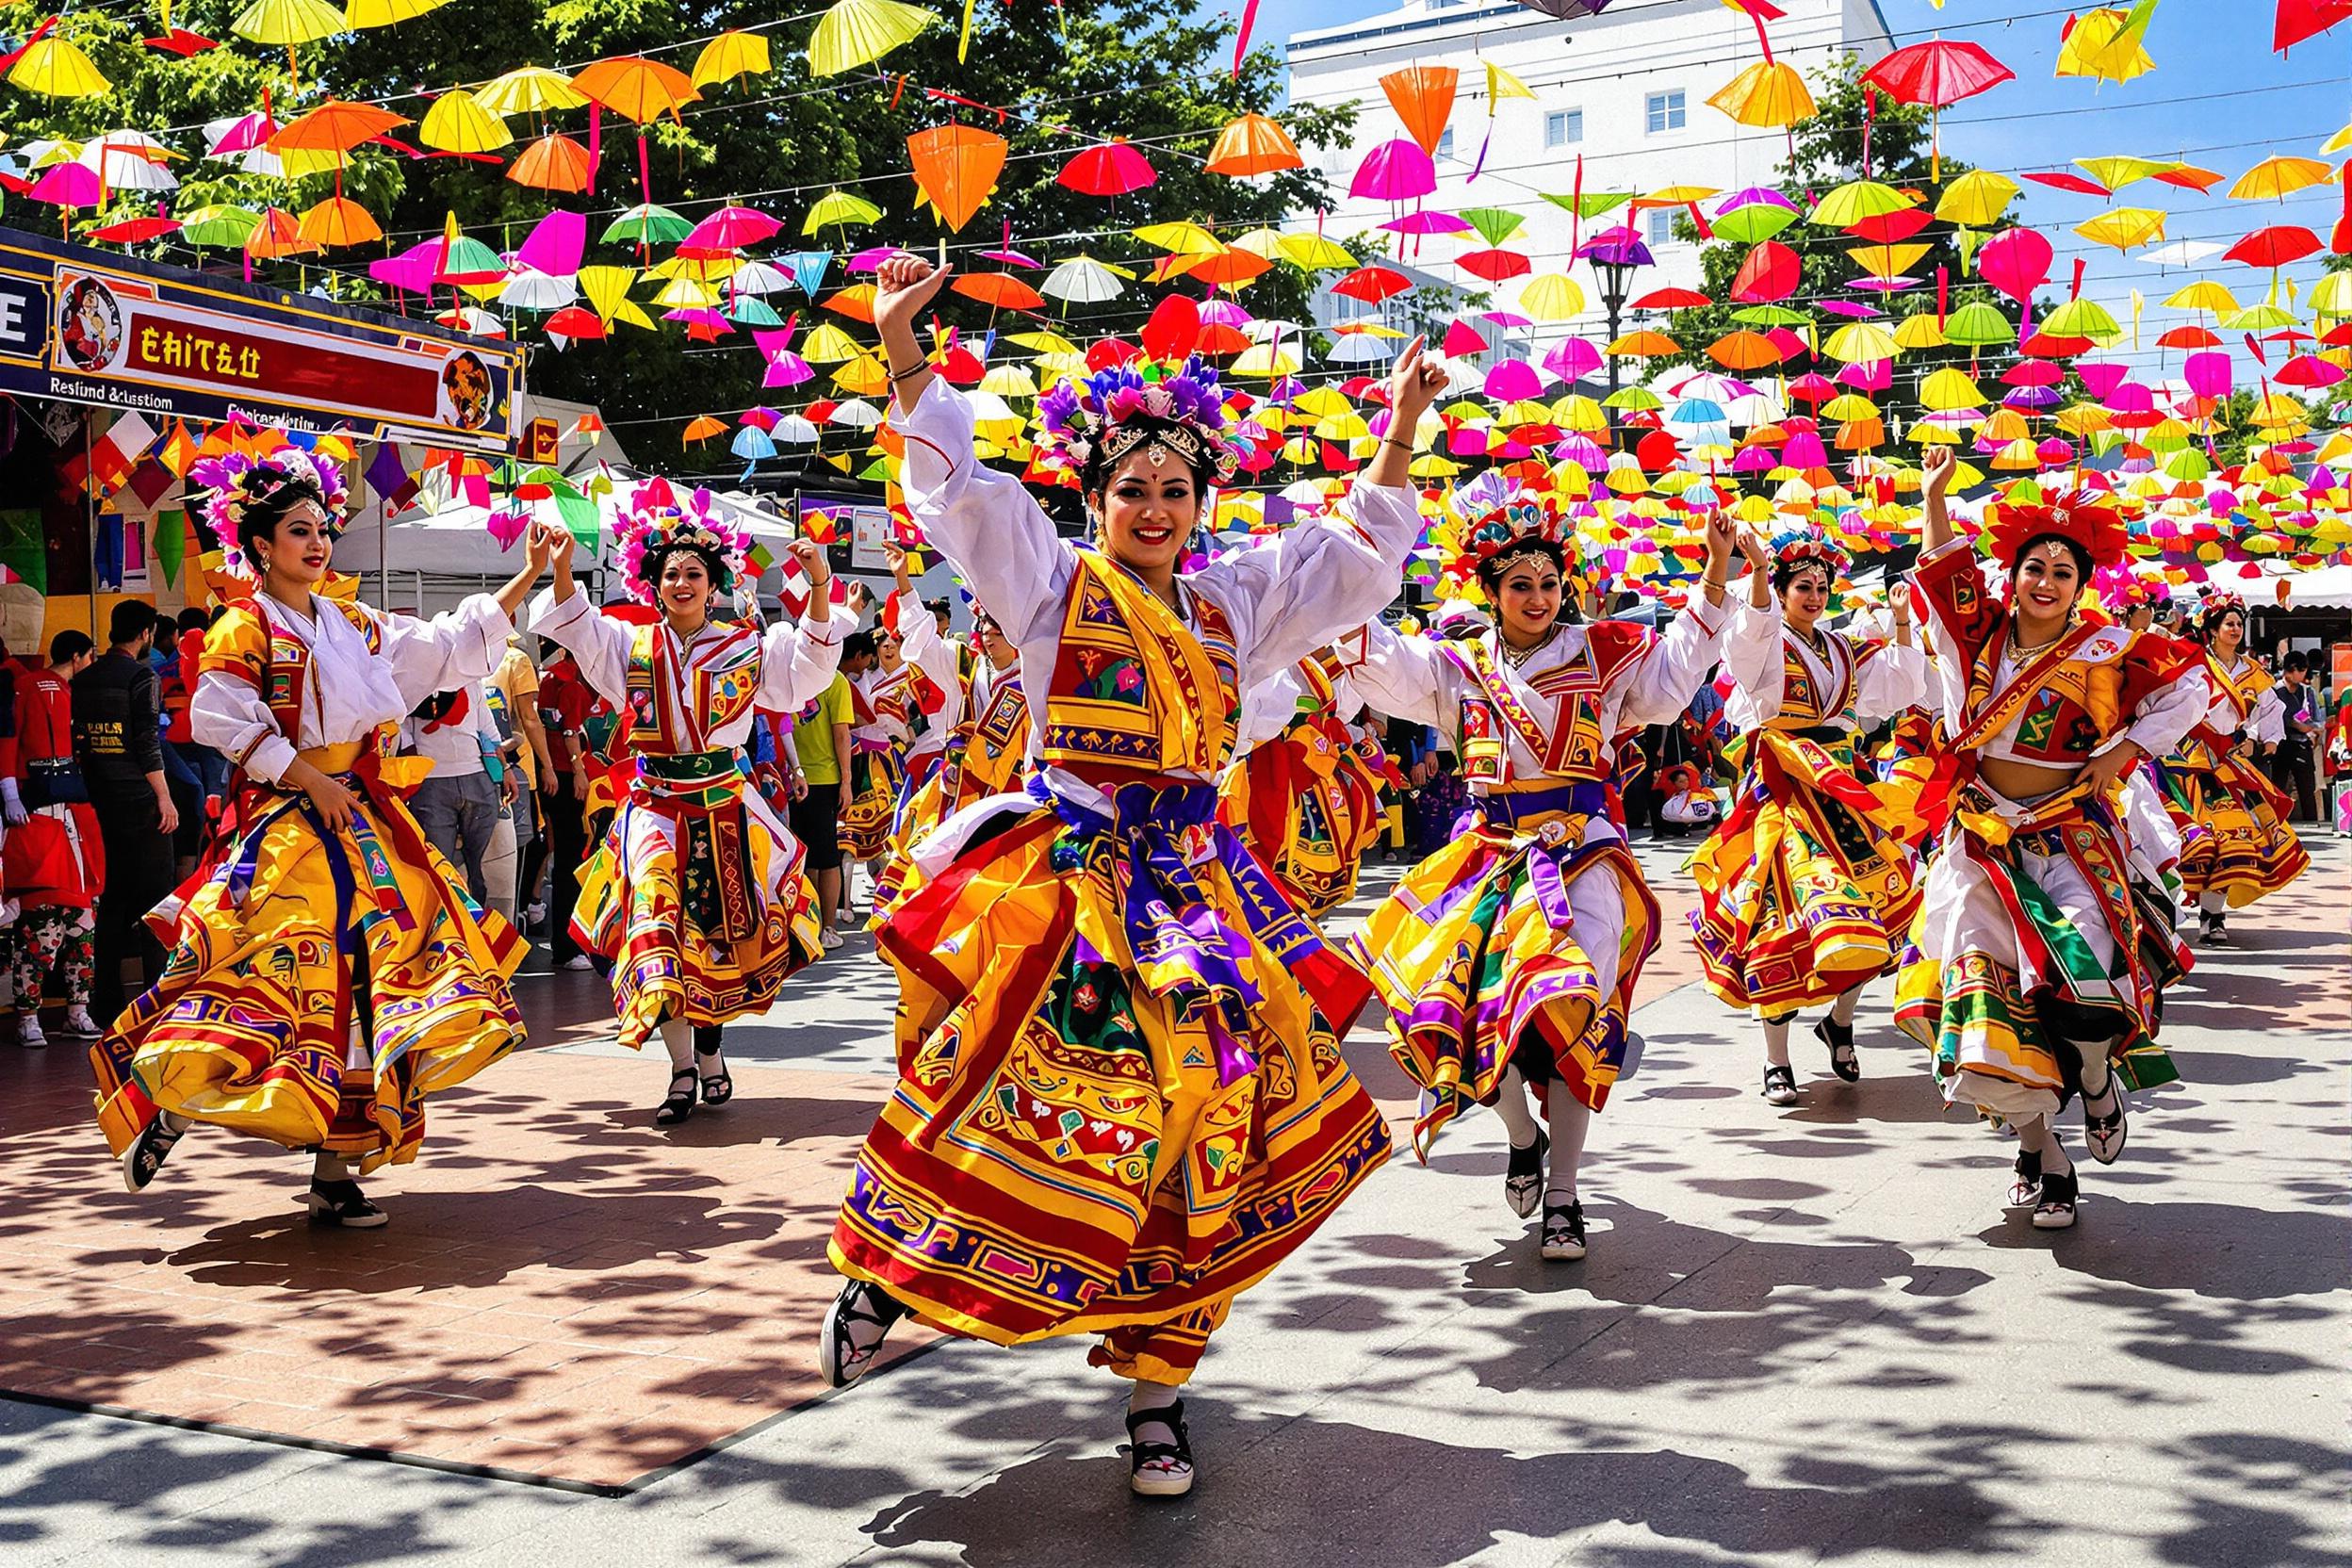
52	860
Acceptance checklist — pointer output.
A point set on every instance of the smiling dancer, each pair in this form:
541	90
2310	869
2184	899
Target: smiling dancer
1121	1100
329	972
697	893
2038	974
1508	958
2236	845
1805	889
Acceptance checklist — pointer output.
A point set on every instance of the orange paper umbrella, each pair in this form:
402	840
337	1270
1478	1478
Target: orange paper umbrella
956	170
1423	97
552	163
1229	269
337	221
641	89
334	126
278	233
702	427
1253	145
1743	351
999	289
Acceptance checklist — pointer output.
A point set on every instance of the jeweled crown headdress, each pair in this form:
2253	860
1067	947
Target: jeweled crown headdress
1113	411
655	521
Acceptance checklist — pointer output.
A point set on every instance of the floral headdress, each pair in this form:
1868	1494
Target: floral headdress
2084	519
234	482
1500	520
1113	411
656	522
2213	607
1806	550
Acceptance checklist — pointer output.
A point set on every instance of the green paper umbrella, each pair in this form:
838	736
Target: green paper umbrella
1753	224
218	226
647	224
1591	203
1770	316
1495	224
1978	325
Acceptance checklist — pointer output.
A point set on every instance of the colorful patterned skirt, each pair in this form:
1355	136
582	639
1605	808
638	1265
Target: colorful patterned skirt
2235	840
2035	940
1121	1098
1519	943
1804	890
283	942
697	895
1308	805
874	774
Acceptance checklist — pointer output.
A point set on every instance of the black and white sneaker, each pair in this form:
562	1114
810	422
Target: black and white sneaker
1522	1179
147	1153
342	1204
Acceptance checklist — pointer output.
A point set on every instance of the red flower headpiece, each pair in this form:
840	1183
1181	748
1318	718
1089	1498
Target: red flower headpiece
2213	607
1813	552
2082	519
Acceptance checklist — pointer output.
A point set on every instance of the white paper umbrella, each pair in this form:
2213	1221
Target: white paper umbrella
1355	347
1082	280
758	277
857	414
794	430
531	290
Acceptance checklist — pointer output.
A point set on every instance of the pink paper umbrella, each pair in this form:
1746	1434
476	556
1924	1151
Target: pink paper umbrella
68	184
2015	261
555	244
871	257
1112	169
411	270
1394	171
1573	359
730	228
1514	380
2101	378
1427	223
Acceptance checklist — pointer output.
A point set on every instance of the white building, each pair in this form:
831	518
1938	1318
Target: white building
1626	90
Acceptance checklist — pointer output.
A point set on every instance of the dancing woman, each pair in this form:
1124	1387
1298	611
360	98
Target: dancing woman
1304	793
328	972
697	892
2236	845
2041	960
1508	958
1805	889
1121	1100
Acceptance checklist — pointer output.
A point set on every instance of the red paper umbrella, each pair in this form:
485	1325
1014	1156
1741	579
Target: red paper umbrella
1671	299
1217	339
1772	272
1936	74
999	289
2078	184
576	321
2191	338
1112	169
1792	347
2337	336
1891	228
1462	339
1494	266
1813	389
1372	284
2308	370
2302	19
135	231
2281	245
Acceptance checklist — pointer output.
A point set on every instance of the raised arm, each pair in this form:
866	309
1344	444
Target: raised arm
1937	465
1665	676
1405	677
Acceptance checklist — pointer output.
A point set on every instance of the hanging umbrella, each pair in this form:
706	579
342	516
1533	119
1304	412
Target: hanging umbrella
1372	284
530	90
1394	171
2125	228
290	22
383	13
1110	169
457	122
1752	216
1084	281
842	207
57	68
218	224
1312	252
641	91
2106	43
1253	145
1000	290
1935	76
278	233
2281	246
1977	198
1745	351
531	290
336	222
859	32
2275	179
552	162
956	167
731	55
135	231
730	228
1423	97
1858	202
124	167
1768	94
1552	297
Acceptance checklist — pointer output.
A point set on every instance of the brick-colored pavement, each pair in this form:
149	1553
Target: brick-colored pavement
565	1290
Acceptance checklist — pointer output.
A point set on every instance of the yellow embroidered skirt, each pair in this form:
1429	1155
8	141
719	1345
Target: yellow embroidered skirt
277	946
874	774
2234	838
2034	938
1308	805
698	897
1519	943
1120	1095
1805	891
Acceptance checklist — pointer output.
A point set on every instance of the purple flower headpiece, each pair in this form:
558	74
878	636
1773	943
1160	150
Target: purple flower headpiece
233	483
656	522
1113	411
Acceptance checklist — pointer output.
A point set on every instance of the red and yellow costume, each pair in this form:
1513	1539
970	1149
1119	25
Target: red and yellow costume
2236	845
1305	795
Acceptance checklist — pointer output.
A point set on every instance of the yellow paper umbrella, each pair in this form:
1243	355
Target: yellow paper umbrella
859	32
2266	316
1858	202
1860	343
1179	239
2081	319
1976	198
607	292
686	294
1552	297
1312	253
1266	361
864	376
1919	332
828	343
291	22
1887	261
2275	179
2332	295
2125	228
383	13
2203	295
457	122
530	90
1851	405
1768	93
839	206
2106	44
57	68
339	221
731	55
1950	390
2116	172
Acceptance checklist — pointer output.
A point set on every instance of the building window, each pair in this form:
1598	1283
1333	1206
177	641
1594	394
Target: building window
1666	112
1445	142
1661	225
1563	126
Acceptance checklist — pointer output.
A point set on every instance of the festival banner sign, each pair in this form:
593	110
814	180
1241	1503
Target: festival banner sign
79	326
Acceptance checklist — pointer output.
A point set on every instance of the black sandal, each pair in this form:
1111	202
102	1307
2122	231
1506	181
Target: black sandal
1842	1058
2055	1212
837	1355
2105	1135
1522	1179
676	1106
2026	1190
1159	1469
1564	1230
147	1153
1780	1084
342	1203
717	1087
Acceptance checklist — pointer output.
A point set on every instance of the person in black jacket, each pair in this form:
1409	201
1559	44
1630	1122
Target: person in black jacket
118	739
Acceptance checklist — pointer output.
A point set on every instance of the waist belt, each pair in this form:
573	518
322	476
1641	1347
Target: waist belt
54	781
1587	797
1820	734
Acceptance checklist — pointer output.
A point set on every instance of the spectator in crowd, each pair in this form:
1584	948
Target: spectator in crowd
118	742
821	744
517	681
457	805
53	866
565	704
2294	764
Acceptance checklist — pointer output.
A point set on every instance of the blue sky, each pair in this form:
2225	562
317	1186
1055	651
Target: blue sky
2218	98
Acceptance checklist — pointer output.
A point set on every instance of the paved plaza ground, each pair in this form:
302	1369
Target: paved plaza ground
1802	1335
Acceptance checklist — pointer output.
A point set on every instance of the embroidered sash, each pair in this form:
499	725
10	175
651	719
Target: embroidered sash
1133	686
1572	746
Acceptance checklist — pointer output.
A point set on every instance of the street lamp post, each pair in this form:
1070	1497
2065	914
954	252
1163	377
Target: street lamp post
1615	254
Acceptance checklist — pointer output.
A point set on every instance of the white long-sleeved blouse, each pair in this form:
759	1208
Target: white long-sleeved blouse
1891	680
